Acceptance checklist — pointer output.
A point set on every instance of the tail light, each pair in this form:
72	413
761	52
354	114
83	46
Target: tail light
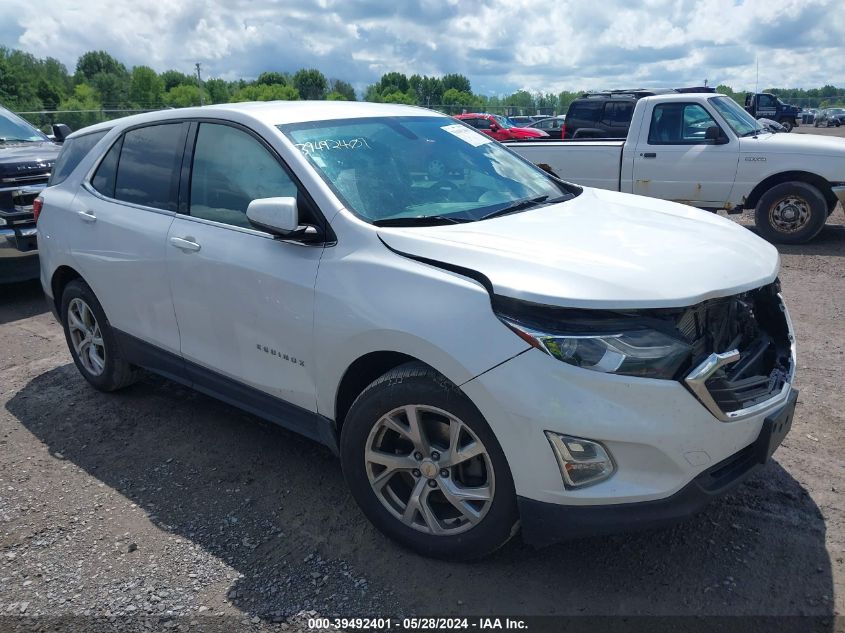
36	207
563	131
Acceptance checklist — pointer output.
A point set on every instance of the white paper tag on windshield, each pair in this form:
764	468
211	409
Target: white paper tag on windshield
465	134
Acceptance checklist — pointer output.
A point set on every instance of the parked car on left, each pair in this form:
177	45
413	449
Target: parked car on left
26	160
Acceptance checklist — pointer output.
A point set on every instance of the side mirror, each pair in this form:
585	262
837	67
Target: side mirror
494	127
715	136
60	132
280	216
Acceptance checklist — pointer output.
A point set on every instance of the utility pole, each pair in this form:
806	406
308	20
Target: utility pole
199	83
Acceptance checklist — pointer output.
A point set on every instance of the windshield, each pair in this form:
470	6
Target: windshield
742	123
504	122
837	110
415	169
15	129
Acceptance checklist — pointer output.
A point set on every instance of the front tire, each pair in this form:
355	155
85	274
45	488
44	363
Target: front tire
787	124
425	468
91	340
791	213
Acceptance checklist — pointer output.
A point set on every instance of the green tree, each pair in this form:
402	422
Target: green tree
334	95
458	82
218	90
400	97
182	96
81	109
94	63
310	83
344	88
146	89
264	92
173	78
455	101
271	77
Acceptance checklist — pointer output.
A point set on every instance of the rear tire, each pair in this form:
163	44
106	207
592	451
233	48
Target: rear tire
791	213
425	468
91	340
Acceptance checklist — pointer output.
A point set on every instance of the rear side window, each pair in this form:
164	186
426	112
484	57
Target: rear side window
73	151
584	111
618	113
149	165
104	177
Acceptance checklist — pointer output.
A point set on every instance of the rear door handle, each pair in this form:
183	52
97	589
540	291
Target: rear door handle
649	155
186	244
87	215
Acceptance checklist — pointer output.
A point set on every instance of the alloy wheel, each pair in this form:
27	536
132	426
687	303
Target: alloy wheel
86	337
429	470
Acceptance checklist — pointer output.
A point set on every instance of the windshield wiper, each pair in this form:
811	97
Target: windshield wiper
519	205
423	220
12	139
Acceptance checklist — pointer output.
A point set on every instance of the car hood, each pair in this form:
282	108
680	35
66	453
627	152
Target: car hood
795	144
600	250
527	131
17	159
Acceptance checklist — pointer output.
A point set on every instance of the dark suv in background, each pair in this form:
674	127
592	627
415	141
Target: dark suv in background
608	114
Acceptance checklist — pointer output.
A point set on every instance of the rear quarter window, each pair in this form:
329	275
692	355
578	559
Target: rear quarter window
72	152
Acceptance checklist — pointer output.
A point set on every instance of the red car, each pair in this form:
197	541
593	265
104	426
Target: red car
499	127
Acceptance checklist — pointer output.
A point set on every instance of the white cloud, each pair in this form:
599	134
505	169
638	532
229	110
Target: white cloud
501	45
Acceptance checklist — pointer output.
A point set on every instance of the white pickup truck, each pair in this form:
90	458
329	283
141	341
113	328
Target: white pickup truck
705	150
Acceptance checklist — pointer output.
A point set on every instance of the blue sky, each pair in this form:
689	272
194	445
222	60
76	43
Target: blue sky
501	45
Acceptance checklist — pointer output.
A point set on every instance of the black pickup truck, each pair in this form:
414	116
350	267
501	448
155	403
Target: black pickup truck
26	159
767	106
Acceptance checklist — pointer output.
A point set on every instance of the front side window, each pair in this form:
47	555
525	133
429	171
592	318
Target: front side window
379	168
679	124
742	123
148	168
73	151
230	170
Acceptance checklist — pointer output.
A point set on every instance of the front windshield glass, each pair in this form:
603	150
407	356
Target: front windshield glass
742	123
15	129
504	122
409	169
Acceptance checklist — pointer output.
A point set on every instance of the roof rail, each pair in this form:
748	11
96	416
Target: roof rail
645	92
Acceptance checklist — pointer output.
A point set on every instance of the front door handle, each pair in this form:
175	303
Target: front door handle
87	215
649	155
186	244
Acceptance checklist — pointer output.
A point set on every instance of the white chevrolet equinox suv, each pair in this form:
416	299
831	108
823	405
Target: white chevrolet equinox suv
486	348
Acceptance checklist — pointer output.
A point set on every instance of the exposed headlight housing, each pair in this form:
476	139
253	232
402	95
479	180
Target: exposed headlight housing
605	341
582	462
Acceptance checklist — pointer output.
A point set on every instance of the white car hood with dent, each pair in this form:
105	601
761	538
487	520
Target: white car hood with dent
601	250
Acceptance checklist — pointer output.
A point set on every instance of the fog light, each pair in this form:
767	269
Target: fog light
582	462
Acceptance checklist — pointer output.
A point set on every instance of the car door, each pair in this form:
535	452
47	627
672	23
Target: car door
675	161
244	301
123	213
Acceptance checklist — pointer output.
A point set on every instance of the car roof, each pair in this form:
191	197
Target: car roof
271	113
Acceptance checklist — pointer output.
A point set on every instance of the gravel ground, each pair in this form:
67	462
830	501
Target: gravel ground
160	507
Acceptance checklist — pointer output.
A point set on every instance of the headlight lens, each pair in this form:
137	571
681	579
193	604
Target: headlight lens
637	352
